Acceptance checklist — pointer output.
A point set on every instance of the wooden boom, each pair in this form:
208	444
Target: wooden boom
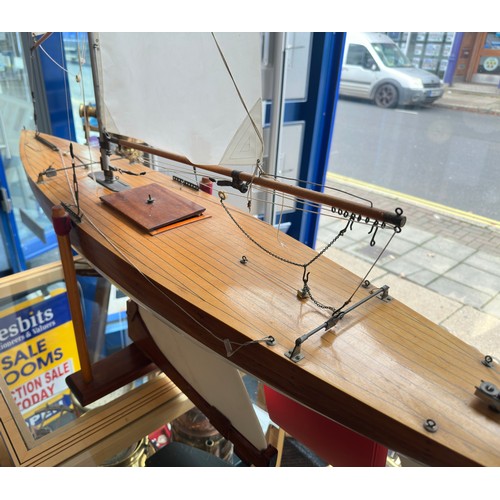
397	219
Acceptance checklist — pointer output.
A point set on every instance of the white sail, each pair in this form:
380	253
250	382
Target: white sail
174	92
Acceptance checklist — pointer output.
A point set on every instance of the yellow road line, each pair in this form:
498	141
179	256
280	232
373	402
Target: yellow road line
429	204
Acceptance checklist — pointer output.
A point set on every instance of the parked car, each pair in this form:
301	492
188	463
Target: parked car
375	68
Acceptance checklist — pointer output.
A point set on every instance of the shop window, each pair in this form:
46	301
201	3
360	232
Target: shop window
440	165
489	65
33	229
492	41
81	87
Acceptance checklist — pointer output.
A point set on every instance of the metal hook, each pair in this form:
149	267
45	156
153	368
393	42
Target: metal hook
305	276
351	220
304	293
374	226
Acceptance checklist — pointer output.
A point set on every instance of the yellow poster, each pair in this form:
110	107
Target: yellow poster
37	352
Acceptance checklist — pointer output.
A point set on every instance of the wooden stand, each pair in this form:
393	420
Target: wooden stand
111	373
62	227
107	429
93	382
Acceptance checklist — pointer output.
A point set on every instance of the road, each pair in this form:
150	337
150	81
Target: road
441	155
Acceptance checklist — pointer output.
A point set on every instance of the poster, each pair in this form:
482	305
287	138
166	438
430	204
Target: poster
435	36
37	352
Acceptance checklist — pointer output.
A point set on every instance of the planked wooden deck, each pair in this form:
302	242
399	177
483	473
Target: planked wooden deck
383	370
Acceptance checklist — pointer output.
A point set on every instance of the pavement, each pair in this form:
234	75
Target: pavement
476	98
445	264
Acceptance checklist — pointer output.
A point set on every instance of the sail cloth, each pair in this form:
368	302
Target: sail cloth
174	92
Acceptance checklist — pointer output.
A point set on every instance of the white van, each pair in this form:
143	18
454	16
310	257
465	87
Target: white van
375	68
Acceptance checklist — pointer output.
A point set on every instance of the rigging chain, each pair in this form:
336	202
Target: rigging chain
306	291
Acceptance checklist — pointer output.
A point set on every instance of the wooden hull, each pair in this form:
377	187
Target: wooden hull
383	370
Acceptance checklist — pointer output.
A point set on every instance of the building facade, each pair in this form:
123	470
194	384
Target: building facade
469	57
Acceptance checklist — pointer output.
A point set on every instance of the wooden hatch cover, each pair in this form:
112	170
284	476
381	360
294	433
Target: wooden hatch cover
154	207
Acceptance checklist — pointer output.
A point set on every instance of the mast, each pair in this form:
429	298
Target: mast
106	176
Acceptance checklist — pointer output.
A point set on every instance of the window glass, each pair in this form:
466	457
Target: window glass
492	41
16	113
391	55
489	65
81	87
37	347
356	55
439	163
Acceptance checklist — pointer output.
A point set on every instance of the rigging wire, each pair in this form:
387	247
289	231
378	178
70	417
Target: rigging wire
172	168
254	125
231	346
227	343
169	166
32	86
257	169
423	323
306	290
65	70
320	185
257	129
288	201
81	81
310	207
66	89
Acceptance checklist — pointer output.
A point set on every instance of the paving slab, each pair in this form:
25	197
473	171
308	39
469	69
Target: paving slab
370	254
477	328
426	302
460	292
415	234
399	246
444	266
404	267
330	229
475	278
449	248
493	307
427	259
357	266
485	261
423	277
